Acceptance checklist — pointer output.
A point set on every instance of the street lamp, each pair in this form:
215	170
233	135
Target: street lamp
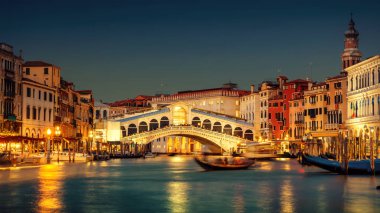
57	133
48	145
91	136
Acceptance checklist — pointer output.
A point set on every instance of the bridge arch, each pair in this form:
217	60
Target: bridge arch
123	131
215	141
153	124
217	127
196	122
248	134
164	121
143	127
227	129
132	129
238	132
206	124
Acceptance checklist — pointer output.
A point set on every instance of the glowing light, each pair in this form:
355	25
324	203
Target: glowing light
48	132
178	196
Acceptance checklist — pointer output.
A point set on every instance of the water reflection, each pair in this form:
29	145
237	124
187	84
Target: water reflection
50	186
238	202
178	196
287	197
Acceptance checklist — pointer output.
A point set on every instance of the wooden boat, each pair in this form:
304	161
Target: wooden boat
149	155
354	167
221	163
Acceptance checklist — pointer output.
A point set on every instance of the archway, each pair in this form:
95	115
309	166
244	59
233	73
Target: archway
206	124
238	132
164	122
227	129
132	129
143	127
248	134
179	116
153	124
123	131
196	122
217	127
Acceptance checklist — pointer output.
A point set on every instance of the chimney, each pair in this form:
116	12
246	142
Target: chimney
252	88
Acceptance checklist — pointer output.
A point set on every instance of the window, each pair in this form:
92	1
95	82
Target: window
28	112
34	113
27	71
39	94
50	97
45	96
46	70
44	114
28	92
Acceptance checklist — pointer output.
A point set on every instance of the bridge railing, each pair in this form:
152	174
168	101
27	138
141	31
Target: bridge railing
187	128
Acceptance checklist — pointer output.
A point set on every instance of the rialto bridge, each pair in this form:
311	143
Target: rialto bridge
180	119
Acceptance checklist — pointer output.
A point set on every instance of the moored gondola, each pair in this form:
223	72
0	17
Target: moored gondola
354	167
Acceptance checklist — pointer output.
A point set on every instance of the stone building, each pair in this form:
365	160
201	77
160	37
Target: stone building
10	91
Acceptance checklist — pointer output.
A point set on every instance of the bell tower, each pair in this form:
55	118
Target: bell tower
351	54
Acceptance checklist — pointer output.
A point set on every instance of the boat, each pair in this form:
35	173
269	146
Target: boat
172	154
149	155
66	156
5	158
354	167
223	162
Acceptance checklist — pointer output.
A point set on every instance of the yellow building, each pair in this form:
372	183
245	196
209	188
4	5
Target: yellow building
40	84
363	117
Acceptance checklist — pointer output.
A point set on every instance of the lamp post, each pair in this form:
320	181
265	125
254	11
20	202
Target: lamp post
91	136
48	145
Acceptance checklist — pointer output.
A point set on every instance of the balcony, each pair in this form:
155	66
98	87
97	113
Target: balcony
332	126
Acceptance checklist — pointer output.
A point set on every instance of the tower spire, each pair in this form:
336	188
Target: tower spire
351	54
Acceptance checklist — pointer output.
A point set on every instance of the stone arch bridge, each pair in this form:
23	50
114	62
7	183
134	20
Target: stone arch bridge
213	129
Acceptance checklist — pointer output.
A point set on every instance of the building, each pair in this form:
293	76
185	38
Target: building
85	116
250	108
296	117
363	105
267	91
224	100
10	91
336	102
40	84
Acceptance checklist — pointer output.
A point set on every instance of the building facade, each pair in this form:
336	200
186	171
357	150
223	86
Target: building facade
363	104
10	91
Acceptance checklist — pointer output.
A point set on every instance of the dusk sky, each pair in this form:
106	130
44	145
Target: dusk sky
121	49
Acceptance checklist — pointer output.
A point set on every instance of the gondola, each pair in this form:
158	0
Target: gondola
354	167
220	164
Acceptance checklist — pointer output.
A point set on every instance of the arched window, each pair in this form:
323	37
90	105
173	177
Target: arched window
227	129
196	122
132	129
123	131
153	124
164	122
238	132
143	127
248	134
217	127
206	124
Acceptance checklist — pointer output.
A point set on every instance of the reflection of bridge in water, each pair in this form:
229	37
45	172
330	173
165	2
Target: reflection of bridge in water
212	129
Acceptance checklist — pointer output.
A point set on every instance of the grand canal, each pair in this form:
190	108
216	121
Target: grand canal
177	184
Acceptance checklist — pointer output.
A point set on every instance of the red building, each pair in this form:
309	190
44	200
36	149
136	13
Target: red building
278	110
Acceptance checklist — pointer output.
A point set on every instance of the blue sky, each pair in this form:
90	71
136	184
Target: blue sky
121	49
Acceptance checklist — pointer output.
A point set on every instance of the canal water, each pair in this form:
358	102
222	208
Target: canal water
178	184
